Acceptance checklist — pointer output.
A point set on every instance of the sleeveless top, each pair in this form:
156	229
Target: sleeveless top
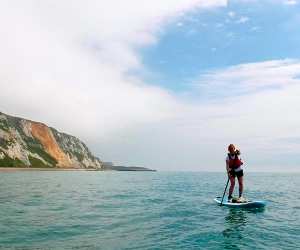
235	162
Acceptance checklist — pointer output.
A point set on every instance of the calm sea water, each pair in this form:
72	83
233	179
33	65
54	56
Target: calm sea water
144	210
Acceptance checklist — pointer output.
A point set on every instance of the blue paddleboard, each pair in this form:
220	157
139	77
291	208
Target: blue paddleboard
248	204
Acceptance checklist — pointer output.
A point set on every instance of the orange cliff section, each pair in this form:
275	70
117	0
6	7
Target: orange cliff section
42	133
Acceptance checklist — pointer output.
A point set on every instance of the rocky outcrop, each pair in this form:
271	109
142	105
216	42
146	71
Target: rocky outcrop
33	144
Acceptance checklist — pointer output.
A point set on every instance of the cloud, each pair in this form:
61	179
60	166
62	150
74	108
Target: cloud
285	2
290	2
255	29
240	111
249	78
243	19
231	14
251	105
68	63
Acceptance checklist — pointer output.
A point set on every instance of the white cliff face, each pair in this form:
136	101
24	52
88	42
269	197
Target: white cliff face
32	144
87	162
26	126
76	150
18	148
3	117
15	147
4	135
2	155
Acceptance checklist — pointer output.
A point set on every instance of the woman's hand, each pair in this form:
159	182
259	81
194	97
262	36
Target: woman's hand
228	172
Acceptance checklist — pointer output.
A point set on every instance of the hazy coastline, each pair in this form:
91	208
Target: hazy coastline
12	169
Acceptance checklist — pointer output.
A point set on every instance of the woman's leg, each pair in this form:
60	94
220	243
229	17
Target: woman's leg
241	186
232	183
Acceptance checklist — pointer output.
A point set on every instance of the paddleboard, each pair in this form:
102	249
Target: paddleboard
248	204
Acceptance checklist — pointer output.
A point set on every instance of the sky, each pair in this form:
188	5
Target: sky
160	84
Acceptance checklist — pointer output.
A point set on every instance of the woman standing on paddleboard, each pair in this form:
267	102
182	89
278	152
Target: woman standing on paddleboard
234	169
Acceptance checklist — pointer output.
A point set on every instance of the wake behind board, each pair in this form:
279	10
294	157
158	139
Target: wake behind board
248	204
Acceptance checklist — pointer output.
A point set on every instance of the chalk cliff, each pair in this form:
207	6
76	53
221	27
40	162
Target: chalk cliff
25	143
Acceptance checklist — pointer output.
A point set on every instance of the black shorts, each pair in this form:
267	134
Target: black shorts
236	174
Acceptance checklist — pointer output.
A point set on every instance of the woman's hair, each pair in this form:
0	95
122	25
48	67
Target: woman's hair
231	146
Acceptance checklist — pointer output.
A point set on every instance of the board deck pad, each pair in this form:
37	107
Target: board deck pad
248	204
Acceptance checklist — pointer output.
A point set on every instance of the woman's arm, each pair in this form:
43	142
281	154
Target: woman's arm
228	168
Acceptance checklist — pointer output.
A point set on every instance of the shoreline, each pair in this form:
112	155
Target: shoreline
17	169
12	169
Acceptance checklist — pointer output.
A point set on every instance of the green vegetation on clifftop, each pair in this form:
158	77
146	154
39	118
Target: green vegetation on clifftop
9	162
4	125
36	149
37	163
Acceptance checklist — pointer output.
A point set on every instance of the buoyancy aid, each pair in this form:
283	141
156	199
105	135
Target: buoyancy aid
234	162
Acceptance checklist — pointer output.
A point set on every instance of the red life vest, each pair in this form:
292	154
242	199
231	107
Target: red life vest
235	162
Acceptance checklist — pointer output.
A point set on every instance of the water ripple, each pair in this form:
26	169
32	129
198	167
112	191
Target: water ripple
111	210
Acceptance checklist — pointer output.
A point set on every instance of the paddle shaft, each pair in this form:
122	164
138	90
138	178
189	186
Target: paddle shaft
224	192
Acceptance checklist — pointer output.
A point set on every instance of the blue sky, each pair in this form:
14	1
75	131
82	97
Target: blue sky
161	84
242	32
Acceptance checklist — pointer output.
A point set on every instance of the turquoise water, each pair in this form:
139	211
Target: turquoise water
144	210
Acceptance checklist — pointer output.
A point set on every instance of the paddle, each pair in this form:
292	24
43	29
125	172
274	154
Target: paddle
224	192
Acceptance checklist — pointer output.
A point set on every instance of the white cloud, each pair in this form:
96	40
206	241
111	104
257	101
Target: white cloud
251	105
231	14
255	28
236	18
243	19
71	58
290	2
249	78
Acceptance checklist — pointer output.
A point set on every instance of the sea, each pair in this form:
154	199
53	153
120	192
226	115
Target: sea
145	210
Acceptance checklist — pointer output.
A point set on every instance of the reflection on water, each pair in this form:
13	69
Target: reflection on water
235	223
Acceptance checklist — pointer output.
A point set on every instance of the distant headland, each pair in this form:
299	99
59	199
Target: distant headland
110	166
